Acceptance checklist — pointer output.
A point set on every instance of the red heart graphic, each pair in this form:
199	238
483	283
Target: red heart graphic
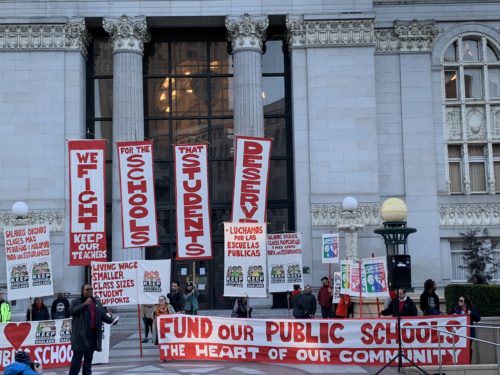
17	333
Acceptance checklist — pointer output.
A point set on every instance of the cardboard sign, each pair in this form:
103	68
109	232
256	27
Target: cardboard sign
330	248
284	261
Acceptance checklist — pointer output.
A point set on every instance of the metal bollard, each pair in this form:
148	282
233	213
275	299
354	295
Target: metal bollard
440	357
454	350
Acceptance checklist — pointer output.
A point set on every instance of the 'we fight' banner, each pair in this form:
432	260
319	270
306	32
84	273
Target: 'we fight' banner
137	194
27	255
245	260
362	342
251	170
87	202
46	341
284	261
194	235
130	282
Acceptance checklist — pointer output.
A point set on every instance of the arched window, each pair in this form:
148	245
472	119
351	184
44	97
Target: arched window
471	76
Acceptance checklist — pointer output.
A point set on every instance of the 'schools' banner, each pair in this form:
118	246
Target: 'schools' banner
245	260
137	194
362	342
194	235
87	202
251	170
284	261
28	261
46	341
130	282
330	252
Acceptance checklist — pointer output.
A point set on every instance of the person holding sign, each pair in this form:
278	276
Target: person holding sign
162	308
176	298
242	308
4	309
325	298
191	299
37	311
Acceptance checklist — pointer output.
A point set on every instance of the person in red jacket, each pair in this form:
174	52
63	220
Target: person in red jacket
325	298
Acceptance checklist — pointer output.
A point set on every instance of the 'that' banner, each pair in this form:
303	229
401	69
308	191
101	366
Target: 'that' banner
251	170
284	261
330	248
245	260
87	202
194	234
137	194
29	269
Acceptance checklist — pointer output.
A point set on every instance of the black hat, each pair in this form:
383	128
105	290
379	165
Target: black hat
22	357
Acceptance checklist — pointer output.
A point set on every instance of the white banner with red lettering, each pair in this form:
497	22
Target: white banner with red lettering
361	342
46	341
194	234
29	266
251	170
245	260
284	261
87	201
130	282
137	194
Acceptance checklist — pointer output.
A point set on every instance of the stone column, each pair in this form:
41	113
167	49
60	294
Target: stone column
351	223
128	37
247	35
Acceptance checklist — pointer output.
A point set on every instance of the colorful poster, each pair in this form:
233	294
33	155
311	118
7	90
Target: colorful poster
194	234
137	194
28	261
361	342
245	260
284	261
251	170
46	341
130	282
87	202
337	284
375	277
330	252
345	274
355	280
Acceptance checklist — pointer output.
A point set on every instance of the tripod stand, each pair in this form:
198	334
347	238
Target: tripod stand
400	355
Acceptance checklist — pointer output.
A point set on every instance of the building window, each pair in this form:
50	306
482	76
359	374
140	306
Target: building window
471	80
459	274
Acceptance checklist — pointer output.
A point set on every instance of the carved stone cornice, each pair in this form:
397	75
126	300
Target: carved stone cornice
247	32
53	218
330	215
127	34
469	214
407	37
329	33
71	36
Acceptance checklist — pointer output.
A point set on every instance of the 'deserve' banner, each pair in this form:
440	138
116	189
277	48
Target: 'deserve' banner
46	341
345	342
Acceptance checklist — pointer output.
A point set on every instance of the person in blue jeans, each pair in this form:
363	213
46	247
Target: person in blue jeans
23	365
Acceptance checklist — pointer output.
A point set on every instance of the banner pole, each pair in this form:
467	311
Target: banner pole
360	293
378	301
140	328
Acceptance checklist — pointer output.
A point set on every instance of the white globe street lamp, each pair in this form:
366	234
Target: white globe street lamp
20	209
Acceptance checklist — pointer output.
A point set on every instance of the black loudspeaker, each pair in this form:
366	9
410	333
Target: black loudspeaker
399	269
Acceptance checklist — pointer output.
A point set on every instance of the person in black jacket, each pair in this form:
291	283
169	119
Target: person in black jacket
304	305
429	300
86	329
401	306
37	311
60	307
176	297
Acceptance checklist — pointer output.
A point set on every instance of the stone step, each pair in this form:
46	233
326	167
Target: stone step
489	369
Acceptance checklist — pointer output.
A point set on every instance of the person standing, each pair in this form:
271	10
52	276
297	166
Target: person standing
401	306
464	307
22	365
429	300
304	305
60	307
191	299
147	319
37	311
4	309
86	329
162	308
176	298
325	298
242	308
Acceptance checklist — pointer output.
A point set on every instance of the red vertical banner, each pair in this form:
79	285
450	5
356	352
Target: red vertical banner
194	234
137	194
87	201
251	171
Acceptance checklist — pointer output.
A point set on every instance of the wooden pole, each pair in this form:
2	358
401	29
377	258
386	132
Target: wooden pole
360	292
140	328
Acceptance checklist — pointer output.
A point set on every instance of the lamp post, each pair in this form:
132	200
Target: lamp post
20	213
350	223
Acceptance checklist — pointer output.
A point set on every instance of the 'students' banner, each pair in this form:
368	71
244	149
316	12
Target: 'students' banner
251	170
245	260
284	261
87	202
27	255
362	342
194	234
46	341
137	194
130	282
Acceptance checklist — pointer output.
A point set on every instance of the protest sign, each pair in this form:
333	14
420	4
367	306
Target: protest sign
251	170
137	194
362	342
355	278
374	275
28	261
46	341
337	284
345	274
330	252
87	202
284	261
245	259
194	234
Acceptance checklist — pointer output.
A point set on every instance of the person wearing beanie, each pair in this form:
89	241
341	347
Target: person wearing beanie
23	365
37	311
